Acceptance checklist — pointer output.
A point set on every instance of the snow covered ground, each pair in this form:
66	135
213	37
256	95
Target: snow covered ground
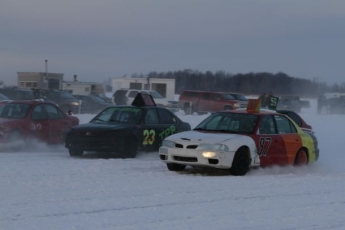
45	188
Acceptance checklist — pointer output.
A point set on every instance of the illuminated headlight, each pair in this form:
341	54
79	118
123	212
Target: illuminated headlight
167	143
214	147
74	103
209	154
237	105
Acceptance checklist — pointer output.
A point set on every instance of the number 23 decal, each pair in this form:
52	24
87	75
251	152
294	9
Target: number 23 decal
149	137
264	145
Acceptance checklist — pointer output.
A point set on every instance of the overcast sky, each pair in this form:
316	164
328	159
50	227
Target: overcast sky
102	39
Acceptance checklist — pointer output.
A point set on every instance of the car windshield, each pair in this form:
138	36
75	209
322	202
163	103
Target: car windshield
155	94
239	97
229	122
17	111
127	115
96	99
66	95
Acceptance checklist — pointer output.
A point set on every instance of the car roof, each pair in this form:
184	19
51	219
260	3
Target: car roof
29	102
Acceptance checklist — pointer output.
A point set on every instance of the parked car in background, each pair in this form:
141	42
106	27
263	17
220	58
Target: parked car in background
3	98
126	97
123	130
103	97
238	140
21	121
289	103
203	102
63	99
15	93
92	104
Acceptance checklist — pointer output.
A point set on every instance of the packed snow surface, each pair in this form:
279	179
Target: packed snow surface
45	188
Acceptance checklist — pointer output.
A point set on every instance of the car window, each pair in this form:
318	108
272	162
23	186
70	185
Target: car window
284	125
267	125
295	118
133	93
127	115
53	112
229	122
205	96
151	117
215	97
39	113
166	117
15	111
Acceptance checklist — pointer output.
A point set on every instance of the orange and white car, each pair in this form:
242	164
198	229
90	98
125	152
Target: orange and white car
240	139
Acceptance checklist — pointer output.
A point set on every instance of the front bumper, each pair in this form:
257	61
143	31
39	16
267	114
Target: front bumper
194	157
101	143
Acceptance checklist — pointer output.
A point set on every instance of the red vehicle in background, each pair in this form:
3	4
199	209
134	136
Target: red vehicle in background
24	120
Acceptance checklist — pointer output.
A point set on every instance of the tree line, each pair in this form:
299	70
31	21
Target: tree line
248	83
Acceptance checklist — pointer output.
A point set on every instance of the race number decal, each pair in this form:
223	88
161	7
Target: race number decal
253	105
264	145
149	137
167	132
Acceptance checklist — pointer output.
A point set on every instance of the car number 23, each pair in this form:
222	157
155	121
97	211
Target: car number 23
150	135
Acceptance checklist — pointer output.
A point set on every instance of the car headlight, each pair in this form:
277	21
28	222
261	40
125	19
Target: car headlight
74	103
214	147
237	105
167	143
208	154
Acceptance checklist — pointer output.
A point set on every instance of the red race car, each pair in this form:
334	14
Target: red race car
24	120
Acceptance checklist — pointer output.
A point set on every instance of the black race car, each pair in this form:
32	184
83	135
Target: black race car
125	129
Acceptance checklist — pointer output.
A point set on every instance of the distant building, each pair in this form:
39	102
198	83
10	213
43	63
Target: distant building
40	80
82	88
164	86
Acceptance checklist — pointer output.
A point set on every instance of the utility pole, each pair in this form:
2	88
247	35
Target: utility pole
46	75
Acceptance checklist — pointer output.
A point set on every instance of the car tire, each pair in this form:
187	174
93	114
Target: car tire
75	152
301	158
175	167
240	163
131	148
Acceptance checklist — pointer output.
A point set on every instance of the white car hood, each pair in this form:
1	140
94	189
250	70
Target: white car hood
203	137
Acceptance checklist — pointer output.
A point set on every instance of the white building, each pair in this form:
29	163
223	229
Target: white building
82	88
166	87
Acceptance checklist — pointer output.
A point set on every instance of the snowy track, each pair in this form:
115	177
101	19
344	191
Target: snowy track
44	188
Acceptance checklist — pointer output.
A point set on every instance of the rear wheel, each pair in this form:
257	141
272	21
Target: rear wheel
301	158
240	163
15	141
175	167
75	152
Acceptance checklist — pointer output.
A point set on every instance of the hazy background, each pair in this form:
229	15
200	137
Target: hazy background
97	40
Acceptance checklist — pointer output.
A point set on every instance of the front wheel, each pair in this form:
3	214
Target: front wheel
75	152
301	158
240	163
175	167
228	107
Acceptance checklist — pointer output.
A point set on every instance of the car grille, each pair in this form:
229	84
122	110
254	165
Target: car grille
186	159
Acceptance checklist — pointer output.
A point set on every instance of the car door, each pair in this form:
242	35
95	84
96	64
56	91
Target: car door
39	128
268	142
57	124
204	104
169	124
151	129
292	141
